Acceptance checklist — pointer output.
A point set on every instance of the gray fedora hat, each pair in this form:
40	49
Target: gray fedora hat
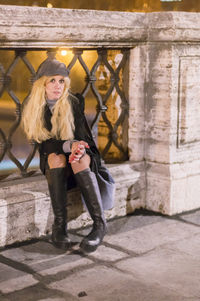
51	67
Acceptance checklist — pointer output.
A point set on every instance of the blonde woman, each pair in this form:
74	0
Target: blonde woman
54	118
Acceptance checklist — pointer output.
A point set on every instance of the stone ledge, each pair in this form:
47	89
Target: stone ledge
25	208
44	27
39	27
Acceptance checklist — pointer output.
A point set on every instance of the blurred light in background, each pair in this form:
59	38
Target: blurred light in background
49	5
63	52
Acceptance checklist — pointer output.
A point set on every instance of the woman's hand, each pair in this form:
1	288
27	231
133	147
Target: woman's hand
78	151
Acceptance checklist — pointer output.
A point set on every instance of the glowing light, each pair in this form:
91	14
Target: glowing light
63	52
49	5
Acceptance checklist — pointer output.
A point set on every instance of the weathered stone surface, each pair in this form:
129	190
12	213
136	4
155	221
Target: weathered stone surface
136	97
173	26
37	27
30	215
167	266
145	239
192	217
12	279
172	134
96	281
108	254
45	259
167	272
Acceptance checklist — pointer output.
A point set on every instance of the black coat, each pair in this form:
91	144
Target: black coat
81	132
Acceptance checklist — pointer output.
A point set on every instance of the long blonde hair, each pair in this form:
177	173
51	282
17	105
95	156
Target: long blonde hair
33	114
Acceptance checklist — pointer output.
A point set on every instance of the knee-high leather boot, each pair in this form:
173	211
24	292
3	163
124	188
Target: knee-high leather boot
56	178
87	182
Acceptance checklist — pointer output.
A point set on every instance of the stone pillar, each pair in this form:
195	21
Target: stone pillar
172	110
137	86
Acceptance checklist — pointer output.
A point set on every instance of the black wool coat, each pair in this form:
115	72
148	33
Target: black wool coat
82	132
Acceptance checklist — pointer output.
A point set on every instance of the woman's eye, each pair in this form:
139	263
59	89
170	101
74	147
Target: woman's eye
61	81
52	80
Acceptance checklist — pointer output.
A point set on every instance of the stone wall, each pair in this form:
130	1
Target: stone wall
163	171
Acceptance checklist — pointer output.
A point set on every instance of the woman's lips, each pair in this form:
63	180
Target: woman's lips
57	92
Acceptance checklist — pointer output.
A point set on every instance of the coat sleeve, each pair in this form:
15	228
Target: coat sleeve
52	146
83	132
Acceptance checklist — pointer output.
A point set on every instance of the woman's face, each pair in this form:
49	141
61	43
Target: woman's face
54	87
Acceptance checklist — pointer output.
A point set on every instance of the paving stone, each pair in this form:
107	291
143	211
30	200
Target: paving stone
53	299
108	254
167	268
102	283
32	253
138	219
67	264
193	217
144	239
190	246
93	281
39	258
37	292
3	298
13	280
8	272
158	260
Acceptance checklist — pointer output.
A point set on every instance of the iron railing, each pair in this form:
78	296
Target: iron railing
103	81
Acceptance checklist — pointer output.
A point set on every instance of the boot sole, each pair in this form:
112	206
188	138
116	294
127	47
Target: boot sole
87	248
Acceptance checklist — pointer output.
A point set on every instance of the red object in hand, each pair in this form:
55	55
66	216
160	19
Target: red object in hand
72	156
71	159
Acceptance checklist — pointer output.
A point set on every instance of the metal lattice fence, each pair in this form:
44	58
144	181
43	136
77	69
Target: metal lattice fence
102	85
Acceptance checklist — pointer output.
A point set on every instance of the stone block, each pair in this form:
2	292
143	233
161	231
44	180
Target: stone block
13	280
39	26
26	211
169	268
147	238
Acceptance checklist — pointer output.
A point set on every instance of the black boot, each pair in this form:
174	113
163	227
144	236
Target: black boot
56	178
87	182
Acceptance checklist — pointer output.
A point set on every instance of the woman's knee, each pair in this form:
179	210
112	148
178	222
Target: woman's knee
56	161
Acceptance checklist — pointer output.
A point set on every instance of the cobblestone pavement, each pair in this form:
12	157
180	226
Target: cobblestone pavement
144	257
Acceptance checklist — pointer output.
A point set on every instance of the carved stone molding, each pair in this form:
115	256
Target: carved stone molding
188	131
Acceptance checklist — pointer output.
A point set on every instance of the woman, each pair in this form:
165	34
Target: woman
54	118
